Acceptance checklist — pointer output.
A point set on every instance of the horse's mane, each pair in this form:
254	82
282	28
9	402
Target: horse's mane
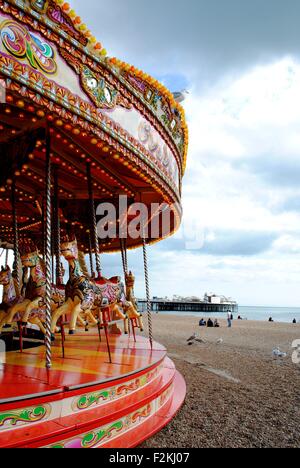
21	275
83	265
43	264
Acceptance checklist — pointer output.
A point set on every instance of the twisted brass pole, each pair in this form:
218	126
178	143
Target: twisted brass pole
91	255
16	239
6	258
147	284
59	279
124	257
47	219
95	240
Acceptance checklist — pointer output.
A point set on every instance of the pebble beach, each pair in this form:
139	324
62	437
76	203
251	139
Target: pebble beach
238	393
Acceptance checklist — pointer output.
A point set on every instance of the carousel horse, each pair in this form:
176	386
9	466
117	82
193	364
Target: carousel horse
12	301
33	304
84	296
130	305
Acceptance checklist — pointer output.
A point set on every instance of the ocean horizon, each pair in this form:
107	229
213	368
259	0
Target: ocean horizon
259	313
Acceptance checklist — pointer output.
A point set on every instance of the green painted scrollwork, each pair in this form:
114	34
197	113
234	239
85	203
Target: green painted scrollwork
88	400
93	438
26	416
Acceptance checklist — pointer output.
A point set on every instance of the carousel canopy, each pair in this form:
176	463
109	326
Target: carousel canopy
56	80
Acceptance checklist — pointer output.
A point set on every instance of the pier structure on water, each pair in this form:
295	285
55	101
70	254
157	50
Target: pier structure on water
160	305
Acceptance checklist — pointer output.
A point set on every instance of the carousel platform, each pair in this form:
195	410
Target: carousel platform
84	401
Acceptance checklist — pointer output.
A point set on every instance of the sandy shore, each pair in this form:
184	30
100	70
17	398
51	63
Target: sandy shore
238	394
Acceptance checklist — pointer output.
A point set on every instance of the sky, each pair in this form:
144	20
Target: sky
240	62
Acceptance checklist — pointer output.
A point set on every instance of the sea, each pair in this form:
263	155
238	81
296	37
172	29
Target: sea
278	314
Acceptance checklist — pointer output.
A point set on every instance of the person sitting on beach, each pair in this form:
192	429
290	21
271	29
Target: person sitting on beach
294	321
240	318
271	320
210	323
216	324
202	323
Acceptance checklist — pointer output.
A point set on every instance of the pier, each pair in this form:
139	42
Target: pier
173	306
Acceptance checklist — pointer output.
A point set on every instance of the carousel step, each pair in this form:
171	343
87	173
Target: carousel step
65	426
156	422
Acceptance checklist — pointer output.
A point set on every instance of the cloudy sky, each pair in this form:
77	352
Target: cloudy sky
240	61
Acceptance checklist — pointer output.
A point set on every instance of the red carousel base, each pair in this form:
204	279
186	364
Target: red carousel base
84	401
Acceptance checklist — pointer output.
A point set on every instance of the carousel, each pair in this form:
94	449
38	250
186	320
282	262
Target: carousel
81	135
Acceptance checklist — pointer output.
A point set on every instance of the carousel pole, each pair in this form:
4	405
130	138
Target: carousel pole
94	240
124	257
47	219
91	256
16	255
94	221
16	238
6	258
147	284
59	278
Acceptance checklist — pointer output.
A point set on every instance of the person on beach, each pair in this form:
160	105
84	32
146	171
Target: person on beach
210	323
294	321
216	324
271	320
229	319
202	323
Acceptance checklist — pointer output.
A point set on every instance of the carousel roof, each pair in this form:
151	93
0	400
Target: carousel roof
98	110
97	49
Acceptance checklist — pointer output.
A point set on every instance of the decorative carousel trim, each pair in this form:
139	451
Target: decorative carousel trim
65	104
23	417
129	96
59	13
103	396
153	83
100	436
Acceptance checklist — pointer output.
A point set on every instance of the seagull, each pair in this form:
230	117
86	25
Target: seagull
199	340
192	338
278	354
180	96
